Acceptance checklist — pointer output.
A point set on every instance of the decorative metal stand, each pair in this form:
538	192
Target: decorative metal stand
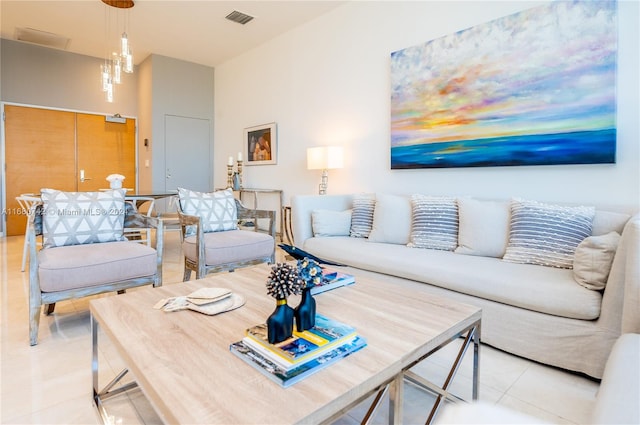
229	176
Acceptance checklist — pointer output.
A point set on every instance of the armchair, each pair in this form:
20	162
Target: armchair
213	243
84	252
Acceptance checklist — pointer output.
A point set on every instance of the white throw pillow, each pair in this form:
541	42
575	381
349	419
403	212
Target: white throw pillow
331	223
592	260
391	219
484	227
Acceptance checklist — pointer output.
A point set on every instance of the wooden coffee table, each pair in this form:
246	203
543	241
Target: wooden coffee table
182	363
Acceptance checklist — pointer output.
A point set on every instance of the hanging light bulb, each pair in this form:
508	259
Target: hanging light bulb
116	64
124	45
106	75
128	62
109	92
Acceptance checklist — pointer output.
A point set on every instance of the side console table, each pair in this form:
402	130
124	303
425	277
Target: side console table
256	192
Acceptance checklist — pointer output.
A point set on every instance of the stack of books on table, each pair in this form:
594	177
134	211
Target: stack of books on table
301	355
332	279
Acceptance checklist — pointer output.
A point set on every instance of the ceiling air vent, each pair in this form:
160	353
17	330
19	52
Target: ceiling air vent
41	37
239	17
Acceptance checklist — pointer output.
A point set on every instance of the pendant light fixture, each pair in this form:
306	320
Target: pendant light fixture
116	62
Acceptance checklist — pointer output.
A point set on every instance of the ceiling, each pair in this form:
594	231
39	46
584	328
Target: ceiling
194	31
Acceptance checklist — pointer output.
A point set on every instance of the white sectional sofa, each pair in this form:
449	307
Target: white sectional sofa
531	310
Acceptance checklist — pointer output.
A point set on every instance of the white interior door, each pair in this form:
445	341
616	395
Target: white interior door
187	153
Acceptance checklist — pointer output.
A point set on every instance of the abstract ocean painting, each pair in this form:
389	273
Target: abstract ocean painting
534	88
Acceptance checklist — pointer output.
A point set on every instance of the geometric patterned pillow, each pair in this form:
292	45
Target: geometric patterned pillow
434	222
546	234
217	210
362	215
74	218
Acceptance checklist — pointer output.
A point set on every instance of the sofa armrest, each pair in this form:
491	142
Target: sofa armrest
619	392
620	313
303	205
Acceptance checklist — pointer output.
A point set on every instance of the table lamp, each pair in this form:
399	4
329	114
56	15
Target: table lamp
324	158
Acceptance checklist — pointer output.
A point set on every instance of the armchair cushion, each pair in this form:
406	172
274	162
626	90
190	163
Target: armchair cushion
230	247
80	266
217	210
74	218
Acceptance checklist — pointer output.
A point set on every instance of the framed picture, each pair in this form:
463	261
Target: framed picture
260	144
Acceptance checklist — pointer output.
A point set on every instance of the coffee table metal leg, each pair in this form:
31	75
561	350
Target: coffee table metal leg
442	393
396	397
100	395
476	361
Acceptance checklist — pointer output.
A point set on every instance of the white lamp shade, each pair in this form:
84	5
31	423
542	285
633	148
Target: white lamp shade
325	158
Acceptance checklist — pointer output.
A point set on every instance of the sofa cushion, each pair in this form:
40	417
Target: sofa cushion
217	210
434	222
362	215
331	223
391	219
544	289
79	266
483	228
593	258
74	218
231	246
546	234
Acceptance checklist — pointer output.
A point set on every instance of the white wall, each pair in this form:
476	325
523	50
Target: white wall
327	82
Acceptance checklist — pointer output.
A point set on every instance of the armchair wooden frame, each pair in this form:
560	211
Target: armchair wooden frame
245	215
37	298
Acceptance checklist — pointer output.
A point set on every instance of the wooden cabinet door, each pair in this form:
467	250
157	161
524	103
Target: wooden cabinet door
105	148
40	152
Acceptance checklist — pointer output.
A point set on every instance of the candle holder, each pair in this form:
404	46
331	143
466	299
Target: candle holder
229	176
240	172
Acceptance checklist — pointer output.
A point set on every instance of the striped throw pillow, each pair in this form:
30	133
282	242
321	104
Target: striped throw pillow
546	234
434	222
362	215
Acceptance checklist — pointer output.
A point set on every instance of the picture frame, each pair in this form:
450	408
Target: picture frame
260	144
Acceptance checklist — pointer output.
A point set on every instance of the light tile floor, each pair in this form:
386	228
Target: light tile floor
51	382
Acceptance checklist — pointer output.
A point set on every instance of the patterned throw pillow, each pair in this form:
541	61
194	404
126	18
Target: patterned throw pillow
546	234
362	215
434	222
217	210
75	218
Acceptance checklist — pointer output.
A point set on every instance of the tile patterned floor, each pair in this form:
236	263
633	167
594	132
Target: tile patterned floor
51	382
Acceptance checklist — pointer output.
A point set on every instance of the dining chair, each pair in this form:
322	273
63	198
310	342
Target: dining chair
27	202
136	233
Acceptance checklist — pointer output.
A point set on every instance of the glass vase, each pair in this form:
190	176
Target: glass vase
280	323
306	311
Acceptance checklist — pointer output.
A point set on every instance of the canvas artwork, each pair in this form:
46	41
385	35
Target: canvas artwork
534	88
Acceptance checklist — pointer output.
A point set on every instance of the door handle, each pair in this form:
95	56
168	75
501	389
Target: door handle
82	177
